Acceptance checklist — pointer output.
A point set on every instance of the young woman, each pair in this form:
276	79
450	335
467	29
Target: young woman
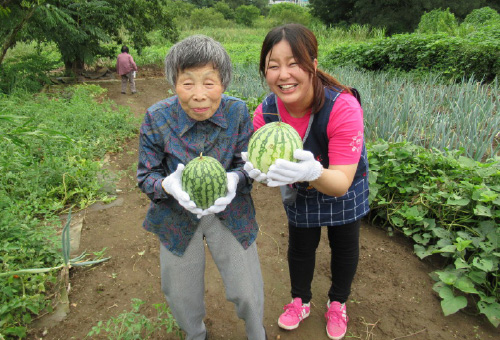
328	185
201	119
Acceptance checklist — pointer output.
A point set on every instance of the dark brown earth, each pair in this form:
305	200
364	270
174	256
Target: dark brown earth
392	296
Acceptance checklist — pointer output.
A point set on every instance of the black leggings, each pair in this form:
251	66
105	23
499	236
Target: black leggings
344	245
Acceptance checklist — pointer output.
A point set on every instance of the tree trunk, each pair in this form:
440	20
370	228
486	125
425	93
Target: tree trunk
74	67
12	37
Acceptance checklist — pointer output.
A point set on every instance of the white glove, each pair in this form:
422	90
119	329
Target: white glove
285	172
221	203
255	174
172	184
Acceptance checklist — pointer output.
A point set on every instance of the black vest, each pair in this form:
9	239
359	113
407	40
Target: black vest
355	201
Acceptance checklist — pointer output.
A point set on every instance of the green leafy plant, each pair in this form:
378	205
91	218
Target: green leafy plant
437	20
22	314
449	205
49	150
481	17
454	57
78	261
207	17
133	325
28	73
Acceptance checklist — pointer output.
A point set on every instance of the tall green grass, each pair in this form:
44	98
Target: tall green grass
51	146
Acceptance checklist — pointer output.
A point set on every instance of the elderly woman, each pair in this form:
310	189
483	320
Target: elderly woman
201	119
125	67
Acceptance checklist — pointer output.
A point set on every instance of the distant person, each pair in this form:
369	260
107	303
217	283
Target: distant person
200	118
126	68
328	186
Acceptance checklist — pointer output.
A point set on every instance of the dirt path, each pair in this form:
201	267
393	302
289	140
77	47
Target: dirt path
392	294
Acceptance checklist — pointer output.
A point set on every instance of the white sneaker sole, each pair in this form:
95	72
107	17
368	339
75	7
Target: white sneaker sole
334	337
289	328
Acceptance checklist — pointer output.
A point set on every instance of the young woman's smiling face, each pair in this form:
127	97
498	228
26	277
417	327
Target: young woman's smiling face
199	90
288	80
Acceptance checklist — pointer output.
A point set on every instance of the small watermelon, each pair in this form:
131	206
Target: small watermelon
205	180
272	141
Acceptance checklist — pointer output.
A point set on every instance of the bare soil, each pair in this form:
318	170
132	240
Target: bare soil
392	296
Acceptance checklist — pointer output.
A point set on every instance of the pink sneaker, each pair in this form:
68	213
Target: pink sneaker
294	313
336	320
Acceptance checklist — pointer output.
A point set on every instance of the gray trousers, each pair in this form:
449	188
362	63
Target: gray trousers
182	280
129	77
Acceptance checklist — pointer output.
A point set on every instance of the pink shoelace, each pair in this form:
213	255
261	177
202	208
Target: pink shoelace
293	309
336	316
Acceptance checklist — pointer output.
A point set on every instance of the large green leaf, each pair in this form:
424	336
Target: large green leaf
492	312
451	303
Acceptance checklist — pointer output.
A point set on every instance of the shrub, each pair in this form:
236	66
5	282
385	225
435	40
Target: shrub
455	57
482	16
436	21
246	15
284	13
29	73
181	11
207	17
224	8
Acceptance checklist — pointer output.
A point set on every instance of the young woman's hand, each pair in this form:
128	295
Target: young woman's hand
255	174
172	185
285	172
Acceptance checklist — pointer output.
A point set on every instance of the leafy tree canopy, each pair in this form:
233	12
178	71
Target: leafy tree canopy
79	28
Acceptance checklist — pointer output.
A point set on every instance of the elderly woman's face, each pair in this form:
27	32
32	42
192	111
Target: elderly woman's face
199	90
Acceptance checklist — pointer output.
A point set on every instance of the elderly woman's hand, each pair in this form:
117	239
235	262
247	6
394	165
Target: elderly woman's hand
172	185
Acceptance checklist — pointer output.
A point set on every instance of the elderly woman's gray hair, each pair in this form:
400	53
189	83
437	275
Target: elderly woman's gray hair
197	51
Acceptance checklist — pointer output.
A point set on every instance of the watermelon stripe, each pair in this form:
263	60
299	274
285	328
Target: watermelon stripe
272	141
205	180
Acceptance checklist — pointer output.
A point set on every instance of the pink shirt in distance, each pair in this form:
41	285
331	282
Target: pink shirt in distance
345	128
125	63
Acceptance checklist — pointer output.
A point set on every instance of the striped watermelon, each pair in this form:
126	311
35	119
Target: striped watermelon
205	180
272	141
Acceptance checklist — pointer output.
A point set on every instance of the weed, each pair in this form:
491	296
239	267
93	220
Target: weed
131	325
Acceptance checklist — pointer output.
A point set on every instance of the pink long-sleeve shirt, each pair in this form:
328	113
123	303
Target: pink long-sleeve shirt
125	63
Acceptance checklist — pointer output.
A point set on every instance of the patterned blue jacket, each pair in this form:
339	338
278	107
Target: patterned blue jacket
168	137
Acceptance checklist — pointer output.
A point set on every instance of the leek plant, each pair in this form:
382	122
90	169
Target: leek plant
78	261
429	113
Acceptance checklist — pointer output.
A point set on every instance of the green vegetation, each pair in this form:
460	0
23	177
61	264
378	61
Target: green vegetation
51	146
431	109
132	324
428	112
440	45
449	205
79	28
396	16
